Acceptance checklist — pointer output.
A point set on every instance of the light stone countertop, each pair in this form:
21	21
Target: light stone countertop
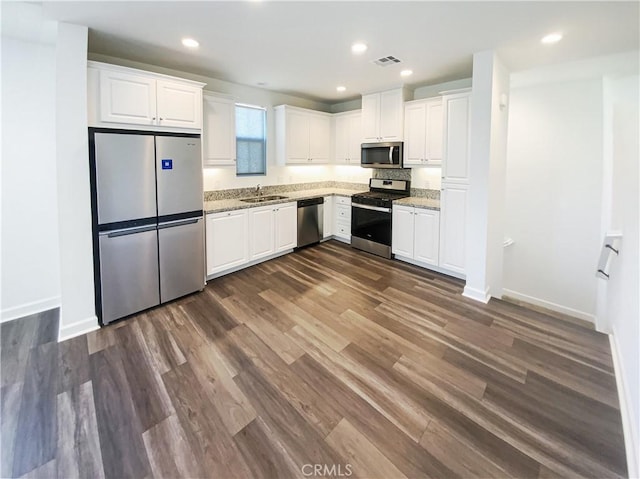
219	206
419	202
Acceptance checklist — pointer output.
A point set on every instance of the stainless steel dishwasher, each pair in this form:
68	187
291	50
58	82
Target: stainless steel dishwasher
310	221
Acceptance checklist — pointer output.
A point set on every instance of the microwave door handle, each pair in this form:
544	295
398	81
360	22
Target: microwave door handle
391	155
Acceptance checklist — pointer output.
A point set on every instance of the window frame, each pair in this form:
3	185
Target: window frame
252	140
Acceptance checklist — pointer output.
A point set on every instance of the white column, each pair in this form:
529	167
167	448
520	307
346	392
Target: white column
77	312
488	141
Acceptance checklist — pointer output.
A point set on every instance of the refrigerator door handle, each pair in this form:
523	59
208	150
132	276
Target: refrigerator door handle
172	224
129	231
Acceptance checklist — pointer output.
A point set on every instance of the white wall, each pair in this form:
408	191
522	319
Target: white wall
77	312
553	200
30	261
622	311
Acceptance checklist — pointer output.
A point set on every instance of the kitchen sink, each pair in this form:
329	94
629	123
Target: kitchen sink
260	199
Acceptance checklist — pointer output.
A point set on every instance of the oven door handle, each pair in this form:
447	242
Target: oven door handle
374	208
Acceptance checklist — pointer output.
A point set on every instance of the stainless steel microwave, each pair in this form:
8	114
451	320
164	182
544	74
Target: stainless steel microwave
382	155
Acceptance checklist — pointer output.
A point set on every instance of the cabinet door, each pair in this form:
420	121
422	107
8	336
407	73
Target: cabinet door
453	219
127	98
327	217
261	232
341	127
297	137
415	134
370	118
434	132
227	240
402	231
179	105
426	236
355	138
319	138
286	226
455	166
391	115
219	133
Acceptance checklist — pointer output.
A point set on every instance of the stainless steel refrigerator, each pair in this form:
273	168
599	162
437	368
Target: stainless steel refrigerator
148	223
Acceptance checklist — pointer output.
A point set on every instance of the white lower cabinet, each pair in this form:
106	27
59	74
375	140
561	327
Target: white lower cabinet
286	227
272	229
242	237
261	232
227	240
342	218
427	236
327	217
415	234
453	208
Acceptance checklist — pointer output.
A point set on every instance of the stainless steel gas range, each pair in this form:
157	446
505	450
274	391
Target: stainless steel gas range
371	215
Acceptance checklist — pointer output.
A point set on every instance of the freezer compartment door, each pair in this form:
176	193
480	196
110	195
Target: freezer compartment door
129	279
125	177
179	173
181	246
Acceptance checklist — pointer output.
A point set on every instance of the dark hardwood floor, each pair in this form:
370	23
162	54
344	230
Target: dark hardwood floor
324	362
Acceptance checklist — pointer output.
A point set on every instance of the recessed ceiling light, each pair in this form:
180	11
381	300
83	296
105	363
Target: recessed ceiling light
552	38
406	73
359	48
341	88
190	43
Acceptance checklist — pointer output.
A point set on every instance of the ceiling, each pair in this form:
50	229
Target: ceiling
304	48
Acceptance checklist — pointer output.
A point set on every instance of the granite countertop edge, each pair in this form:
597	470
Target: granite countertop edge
221	206
419	202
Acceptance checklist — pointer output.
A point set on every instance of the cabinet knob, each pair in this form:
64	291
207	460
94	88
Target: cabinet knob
161	119
154	118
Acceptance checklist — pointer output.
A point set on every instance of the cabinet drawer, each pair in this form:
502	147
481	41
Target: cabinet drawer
342	200
343	212
343	229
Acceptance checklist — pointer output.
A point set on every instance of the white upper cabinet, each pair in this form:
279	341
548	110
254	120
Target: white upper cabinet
302	136
178	104
219	132
383	116
348	137
435	131
423	132
455	165
128	98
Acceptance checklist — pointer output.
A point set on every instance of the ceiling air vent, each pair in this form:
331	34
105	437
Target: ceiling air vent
386	61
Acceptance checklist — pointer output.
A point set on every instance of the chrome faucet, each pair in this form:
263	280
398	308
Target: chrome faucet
258	190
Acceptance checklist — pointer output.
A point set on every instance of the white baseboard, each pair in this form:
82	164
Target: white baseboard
629	423
28	309
476	294
431	267
549	305
78	328
246	265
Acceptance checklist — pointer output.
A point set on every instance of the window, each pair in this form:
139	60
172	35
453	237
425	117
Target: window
251	141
